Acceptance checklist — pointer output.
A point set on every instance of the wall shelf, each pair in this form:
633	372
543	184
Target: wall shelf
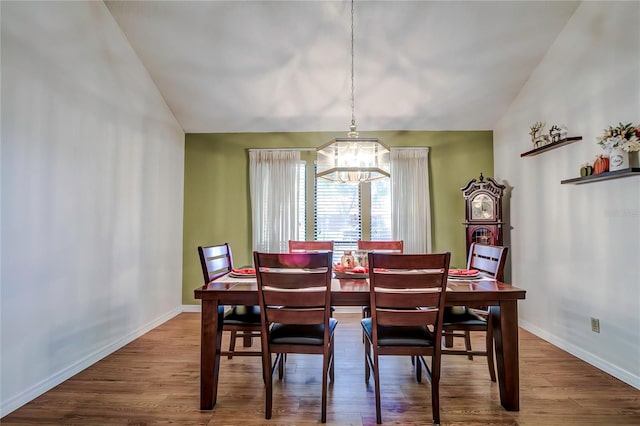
632	171
552	145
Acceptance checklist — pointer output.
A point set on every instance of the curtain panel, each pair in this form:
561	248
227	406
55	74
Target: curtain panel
410	202
273	181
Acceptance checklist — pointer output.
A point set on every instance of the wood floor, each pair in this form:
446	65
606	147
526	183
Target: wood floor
155	380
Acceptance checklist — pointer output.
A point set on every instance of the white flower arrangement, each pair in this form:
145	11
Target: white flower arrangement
625	137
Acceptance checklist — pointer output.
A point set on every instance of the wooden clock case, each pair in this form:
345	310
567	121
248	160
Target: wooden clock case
483	211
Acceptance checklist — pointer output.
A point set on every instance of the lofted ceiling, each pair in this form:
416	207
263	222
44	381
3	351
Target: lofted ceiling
271	66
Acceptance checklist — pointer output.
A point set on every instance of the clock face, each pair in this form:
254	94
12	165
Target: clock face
482	207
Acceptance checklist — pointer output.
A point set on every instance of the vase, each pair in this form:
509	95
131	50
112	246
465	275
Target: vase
618	159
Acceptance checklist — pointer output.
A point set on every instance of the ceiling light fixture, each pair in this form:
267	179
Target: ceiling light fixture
353	159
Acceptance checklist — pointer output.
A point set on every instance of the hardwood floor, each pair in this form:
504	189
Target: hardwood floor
155	380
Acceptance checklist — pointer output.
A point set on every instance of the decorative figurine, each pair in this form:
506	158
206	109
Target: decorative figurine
586	170
554	133
537	138
601	164
557	133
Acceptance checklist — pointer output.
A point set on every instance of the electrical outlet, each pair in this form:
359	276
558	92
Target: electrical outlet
595	325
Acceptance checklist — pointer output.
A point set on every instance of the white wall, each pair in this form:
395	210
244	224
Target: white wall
576	248
92	195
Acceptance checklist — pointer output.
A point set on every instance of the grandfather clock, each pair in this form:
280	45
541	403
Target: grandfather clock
483	216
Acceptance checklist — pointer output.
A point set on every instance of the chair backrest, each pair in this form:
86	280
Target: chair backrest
489	260
387	246
215	261
400	283
309	246
294	288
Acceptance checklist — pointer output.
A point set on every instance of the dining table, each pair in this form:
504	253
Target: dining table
501	298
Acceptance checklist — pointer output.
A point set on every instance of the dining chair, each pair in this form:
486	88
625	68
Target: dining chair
294	290
241	321
489	261
387	246
407	293
309	246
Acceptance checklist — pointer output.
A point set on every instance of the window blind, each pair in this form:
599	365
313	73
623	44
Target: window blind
338	215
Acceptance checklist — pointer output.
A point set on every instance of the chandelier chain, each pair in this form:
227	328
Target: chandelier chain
353	102
353	159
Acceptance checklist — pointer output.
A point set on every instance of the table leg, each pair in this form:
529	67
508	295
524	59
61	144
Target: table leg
505	333
210	347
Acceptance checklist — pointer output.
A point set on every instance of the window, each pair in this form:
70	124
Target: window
338	215
346	213
340	212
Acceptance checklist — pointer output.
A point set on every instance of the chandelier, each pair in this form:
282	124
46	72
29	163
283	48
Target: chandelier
353	159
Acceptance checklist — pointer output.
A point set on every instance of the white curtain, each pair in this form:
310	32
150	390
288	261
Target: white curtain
410	204
273	181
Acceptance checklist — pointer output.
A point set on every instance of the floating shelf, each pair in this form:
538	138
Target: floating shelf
550	146
632	171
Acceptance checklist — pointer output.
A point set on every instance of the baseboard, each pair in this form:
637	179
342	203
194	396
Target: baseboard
191	308
55	379
585	356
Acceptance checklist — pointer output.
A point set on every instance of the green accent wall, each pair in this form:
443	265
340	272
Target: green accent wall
216	192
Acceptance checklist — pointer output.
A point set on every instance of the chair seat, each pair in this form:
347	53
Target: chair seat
467	318
287	334
248	316
399	335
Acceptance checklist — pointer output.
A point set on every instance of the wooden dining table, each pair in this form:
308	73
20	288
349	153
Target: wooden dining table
500	297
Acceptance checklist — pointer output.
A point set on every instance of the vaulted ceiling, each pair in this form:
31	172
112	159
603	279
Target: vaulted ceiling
267	66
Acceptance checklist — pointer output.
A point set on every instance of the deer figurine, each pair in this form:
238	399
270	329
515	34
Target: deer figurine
537	138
